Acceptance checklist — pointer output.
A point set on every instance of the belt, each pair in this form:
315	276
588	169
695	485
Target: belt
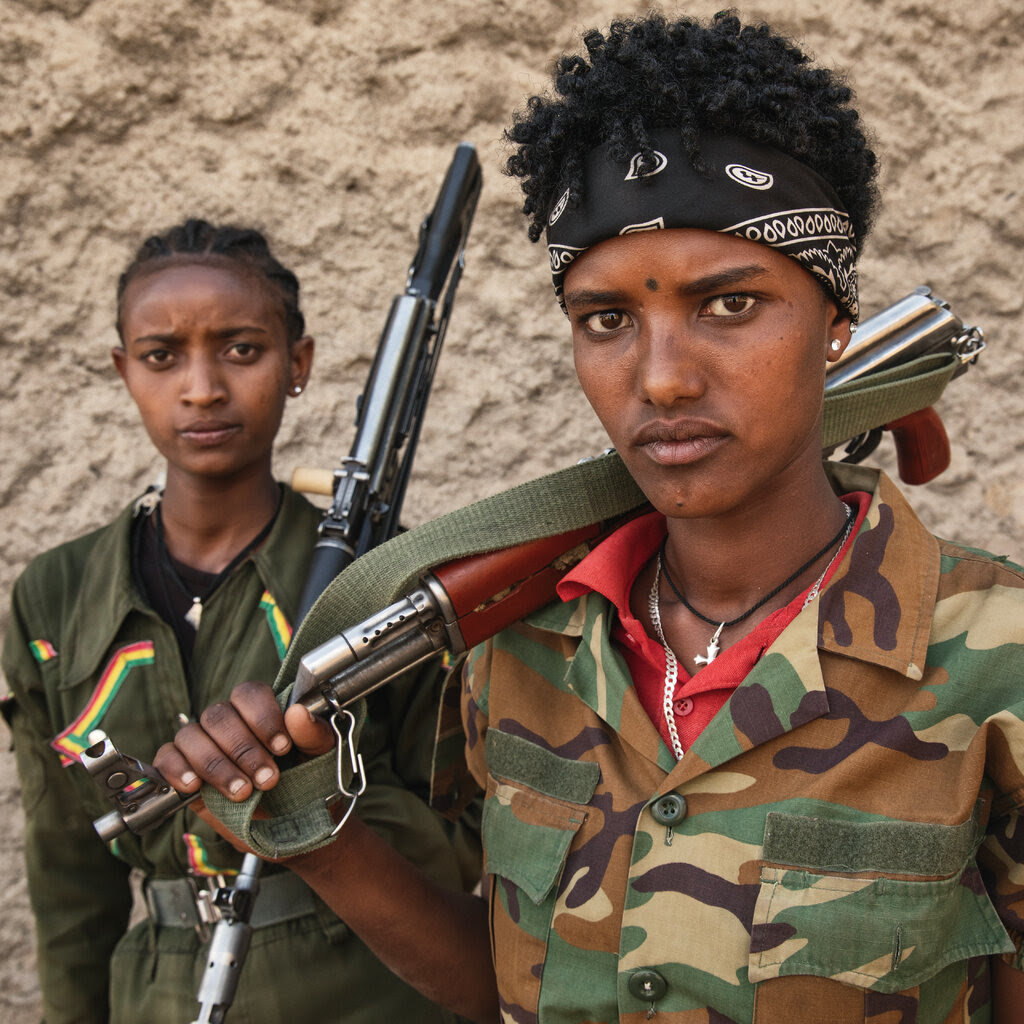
186	903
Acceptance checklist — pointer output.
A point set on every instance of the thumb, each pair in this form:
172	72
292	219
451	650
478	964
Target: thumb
310	734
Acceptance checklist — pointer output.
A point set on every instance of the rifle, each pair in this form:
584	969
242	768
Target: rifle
367	492
464	602
916	326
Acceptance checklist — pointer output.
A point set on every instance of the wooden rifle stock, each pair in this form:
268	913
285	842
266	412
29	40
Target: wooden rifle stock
922	446
491	591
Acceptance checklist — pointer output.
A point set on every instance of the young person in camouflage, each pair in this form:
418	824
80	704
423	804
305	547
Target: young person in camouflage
764	761
105	633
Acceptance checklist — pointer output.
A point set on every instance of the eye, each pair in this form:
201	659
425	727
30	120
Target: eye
606	321
158	358
728	305
243	351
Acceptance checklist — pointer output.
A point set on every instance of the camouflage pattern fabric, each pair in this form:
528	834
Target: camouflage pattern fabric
842	843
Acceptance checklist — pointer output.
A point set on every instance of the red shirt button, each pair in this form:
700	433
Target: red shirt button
683	706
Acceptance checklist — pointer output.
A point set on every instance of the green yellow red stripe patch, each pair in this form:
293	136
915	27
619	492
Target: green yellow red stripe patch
75	738
280	628
199	860
42	650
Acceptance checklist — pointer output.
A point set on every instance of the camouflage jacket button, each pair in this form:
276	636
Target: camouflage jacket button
669	809
647	985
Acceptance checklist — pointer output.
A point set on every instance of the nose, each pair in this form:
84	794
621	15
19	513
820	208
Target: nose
204	383
669	369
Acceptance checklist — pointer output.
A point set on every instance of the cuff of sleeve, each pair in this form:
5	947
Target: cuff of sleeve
1015	959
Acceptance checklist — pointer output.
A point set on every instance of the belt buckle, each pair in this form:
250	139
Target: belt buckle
204	892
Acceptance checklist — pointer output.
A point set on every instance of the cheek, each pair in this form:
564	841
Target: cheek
152	401
604	377
268	405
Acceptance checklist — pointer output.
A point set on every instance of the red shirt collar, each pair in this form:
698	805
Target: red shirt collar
611	570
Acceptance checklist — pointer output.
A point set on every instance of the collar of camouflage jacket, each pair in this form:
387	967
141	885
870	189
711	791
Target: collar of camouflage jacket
877	608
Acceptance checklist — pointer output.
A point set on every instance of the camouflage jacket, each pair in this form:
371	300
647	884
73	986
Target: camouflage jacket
842	843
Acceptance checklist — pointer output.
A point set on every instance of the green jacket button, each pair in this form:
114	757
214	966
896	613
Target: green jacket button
669	810
647	985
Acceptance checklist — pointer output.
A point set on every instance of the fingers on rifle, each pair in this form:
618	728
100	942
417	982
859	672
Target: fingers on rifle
175	768
225	753
259	709
312	735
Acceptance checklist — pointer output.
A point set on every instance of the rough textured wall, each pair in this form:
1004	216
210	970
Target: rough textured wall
329	123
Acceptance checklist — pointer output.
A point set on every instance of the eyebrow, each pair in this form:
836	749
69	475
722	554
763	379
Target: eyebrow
700	286
592	297
223	335
723	279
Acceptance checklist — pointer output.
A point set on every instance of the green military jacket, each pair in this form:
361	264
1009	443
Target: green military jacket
842	843
83	651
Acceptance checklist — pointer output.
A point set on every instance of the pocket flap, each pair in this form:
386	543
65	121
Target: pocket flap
520	760
830	906
536	802
527	835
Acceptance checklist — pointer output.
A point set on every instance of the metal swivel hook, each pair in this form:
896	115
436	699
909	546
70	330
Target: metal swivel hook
358	780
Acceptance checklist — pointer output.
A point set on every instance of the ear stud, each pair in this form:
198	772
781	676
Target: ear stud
835	344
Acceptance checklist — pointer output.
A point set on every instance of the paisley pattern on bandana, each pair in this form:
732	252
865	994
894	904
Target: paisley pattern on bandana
749	190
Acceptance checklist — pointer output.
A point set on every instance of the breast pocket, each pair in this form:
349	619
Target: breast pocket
536	802
877	908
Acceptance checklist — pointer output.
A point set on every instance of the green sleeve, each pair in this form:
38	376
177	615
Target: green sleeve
79	892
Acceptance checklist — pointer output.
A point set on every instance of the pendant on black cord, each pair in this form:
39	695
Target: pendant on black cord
713	649
195	613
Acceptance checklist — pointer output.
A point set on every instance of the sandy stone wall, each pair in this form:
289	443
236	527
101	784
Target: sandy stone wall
329	123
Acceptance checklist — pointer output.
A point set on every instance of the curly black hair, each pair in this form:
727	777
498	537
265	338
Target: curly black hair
202	241
720	77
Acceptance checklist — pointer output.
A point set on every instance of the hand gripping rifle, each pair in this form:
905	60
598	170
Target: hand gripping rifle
367	493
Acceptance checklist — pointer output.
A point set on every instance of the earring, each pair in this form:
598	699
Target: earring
835	344
296	389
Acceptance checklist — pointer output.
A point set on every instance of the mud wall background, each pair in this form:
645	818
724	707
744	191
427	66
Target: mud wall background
329	123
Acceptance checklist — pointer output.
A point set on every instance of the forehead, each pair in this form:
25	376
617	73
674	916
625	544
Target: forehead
179	289
676	257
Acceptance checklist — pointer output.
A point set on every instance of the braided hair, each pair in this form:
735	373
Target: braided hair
206	242
720	77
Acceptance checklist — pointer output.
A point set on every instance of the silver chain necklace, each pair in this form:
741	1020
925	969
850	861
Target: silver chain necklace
672	664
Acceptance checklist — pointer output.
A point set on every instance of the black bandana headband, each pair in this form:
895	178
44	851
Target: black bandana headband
753	191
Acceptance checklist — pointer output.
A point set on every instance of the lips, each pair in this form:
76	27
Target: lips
680	442
208	433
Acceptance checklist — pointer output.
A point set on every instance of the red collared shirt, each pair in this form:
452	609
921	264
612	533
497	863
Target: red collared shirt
611	570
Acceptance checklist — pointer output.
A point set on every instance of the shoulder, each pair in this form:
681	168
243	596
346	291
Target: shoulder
975	629
968	569
298	510
87	576
966	553
523	662
61	568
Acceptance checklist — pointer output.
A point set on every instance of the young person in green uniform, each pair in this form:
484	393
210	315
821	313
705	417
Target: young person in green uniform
764	760
137	627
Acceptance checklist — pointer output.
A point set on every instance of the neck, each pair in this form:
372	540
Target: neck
207	522
725	565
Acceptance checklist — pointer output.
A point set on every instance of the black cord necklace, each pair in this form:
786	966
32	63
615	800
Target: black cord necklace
713	647
170	569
